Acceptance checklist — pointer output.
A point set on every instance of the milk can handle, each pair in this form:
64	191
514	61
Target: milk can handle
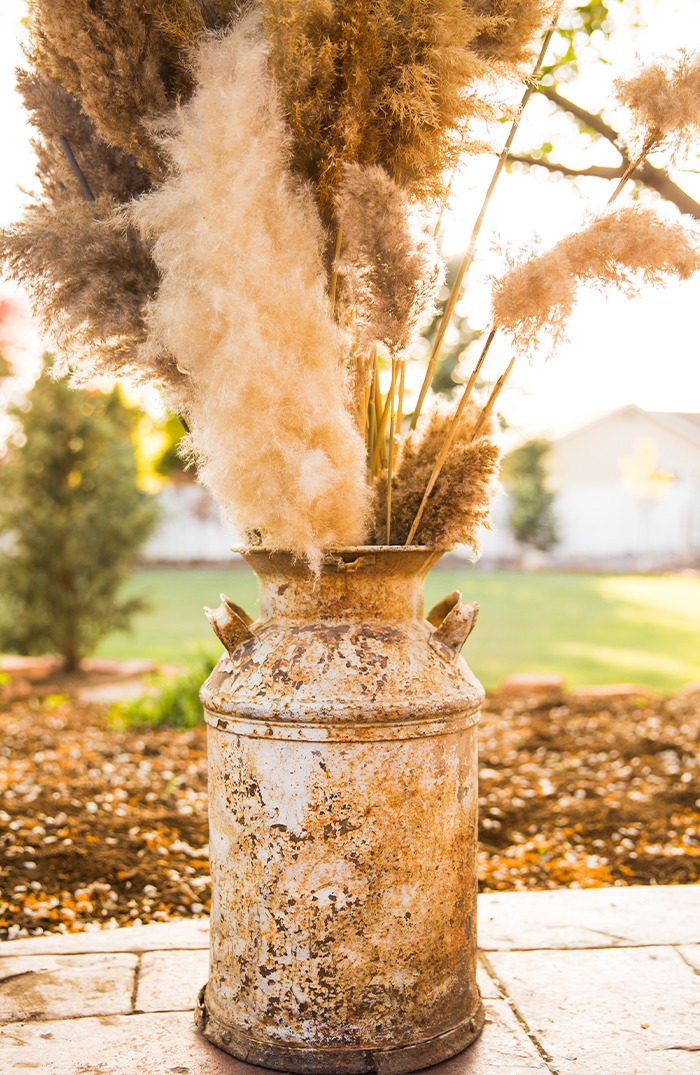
453	623
231	623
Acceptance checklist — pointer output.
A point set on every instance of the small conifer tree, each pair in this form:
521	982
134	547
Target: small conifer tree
524	477
72	521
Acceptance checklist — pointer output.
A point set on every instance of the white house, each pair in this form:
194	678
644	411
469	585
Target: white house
627	484
628	489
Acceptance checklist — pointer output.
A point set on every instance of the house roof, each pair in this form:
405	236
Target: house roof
683	423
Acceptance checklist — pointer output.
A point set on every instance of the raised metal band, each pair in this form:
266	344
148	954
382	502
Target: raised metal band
312	1061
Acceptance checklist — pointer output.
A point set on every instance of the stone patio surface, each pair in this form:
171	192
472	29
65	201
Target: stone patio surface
594	982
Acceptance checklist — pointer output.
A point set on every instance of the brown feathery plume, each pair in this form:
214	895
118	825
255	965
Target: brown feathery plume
54	113
243	308
460	500
393	271
182	22
339	66
89	282
664	100
509	37
623	249
112	58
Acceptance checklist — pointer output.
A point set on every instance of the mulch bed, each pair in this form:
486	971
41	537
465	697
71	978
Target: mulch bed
103	828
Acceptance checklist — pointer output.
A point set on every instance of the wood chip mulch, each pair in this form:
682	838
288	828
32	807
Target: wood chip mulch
100	828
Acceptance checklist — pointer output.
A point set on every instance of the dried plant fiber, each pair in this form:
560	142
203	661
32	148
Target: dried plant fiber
393	271
54	113
664	101
623	248
459	502
387	82
110	56
509	36
89	282
242	307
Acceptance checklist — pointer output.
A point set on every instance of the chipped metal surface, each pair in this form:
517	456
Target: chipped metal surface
343	823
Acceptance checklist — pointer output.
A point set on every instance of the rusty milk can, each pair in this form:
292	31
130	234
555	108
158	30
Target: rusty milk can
343	800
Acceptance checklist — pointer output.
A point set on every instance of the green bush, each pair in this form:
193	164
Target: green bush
172	703
72	520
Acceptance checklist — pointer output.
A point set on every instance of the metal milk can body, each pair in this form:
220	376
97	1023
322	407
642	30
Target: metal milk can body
343	799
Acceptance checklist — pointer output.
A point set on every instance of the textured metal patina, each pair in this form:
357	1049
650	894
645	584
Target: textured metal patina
343	820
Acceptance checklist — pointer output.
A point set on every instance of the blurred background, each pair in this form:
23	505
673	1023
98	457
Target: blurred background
592	568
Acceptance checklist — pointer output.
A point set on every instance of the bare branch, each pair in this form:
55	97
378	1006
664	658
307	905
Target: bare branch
655	178
595	122
552	166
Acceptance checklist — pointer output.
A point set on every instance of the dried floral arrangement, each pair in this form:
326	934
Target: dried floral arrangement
238	201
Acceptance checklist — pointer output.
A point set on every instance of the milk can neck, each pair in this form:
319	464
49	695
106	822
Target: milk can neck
370	582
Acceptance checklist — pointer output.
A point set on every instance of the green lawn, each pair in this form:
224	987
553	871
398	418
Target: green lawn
589	628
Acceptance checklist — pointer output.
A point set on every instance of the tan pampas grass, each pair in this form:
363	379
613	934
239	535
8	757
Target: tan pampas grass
89	282
242	307
54	113
111	57
376	83
393	271
664	101
622	248
459	503
509	36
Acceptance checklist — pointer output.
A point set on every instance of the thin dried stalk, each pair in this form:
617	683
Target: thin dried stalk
399	416
372	424
390	462
469	253
450	435
495	393
334	273
386	411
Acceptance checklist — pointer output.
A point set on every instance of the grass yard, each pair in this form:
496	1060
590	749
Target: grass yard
589	628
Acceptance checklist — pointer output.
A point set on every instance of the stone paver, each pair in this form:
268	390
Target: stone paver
64	987
691	954
170	981
489	988
165	1043
589	918
606	980
162	1044
631	1011
187	933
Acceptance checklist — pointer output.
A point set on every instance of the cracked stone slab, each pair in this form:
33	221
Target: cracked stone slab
170	981
691	954
631	1011
64	987
489	988
589	918
156	936
168	1044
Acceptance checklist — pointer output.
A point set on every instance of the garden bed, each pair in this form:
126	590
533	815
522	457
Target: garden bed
102	828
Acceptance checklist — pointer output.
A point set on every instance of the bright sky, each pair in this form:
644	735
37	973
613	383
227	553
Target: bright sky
642	351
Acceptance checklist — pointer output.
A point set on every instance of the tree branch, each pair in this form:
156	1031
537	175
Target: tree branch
652	177
596	123
655	178
593	170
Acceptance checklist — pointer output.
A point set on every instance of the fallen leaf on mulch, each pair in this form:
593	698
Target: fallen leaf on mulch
104	828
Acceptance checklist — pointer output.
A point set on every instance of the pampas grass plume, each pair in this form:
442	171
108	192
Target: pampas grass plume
664	101
242	307
459	503
54	112
376	83
89	281
393	271
509	35
622	248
